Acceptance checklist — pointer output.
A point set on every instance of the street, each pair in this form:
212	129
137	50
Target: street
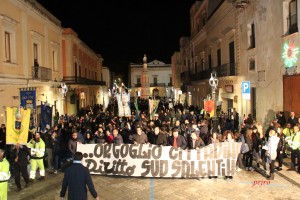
244	185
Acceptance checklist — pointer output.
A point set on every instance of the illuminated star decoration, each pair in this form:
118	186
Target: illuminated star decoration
289	54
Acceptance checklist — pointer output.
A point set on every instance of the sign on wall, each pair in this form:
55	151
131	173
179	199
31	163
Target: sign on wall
160	161
246	90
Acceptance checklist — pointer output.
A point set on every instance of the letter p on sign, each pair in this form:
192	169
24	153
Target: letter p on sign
246	90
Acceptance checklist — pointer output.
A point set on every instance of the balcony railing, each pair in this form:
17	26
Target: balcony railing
137	85
184	74
41	73
228	69
157	84
170	84
82	81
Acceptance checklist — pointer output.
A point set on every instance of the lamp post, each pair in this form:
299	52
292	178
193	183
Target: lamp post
213	82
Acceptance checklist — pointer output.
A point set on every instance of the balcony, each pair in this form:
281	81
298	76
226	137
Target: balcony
41	73
170	84
184	76
157	85
82	81
137	85
224	70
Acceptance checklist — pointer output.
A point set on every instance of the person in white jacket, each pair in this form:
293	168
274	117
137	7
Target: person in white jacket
271	148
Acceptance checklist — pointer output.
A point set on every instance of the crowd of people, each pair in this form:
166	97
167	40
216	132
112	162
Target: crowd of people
185	128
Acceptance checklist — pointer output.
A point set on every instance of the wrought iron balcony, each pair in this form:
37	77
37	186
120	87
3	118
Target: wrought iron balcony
157	84
137	85
228	69
184	76
82	81
41	73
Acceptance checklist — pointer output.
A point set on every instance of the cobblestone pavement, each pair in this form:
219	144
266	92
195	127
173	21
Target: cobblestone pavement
123	188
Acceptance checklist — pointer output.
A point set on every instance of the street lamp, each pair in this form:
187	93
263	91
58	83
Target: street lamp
213	82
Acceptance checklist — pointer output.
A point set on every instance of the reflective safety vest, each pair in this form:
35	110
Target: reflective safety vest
37	148
4	170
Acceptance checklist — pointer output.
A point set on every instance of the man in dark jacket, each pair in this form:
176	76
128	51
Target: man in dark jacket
117	137
20	158
76	178
177	140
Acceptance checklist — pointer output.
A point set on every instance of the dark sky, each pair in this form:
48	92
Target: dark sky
122	31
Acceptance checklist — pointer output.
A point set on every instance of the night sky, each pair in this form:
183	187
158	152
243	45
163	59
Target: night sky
122	31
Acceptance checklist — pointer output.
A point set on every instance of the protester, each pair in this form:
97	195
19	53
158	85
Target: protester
37	151
20	156
76	178
177	141
140	137
271	148
4	175
117	137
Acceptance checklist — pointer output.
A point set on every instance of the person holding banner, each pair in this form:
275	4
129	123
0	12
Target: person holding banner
37	146
140	137
177	140
195	142
4	175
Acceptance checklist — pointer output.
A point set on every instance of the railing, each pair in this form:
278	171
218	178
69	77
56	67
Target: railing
137	85
41	73
184	74
292	24
228	69
170	84
157	84
82	81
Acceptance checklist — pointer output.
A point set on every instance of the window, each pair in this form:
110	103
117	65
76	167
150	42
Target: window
292	18
209	61
54	60
138	80
155	80
252	36
170	80
251	64
8	40
219	56
7	46
35	51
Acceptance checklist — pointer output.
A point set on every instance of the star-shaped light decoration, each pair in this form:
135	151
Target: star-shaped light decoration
289	54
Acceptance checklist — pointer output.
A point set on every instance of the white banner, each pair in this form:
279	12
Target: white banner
124	104
160	161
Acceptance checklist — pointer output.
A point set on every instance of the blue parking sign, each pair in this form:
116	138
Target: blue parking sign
246	90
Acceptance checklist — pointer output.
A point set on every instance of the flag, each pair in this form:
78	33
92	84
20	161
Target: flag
124	104
17	125
209	107
28	100
46	116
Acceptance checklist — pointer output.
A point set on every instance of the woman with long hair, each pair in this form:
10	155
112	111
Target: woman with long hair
249	154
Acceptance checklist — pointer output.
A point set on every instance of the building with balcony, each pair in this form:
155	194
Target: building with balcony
82	72
30	54
38	54
239	40
211	48
268	47
160	79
